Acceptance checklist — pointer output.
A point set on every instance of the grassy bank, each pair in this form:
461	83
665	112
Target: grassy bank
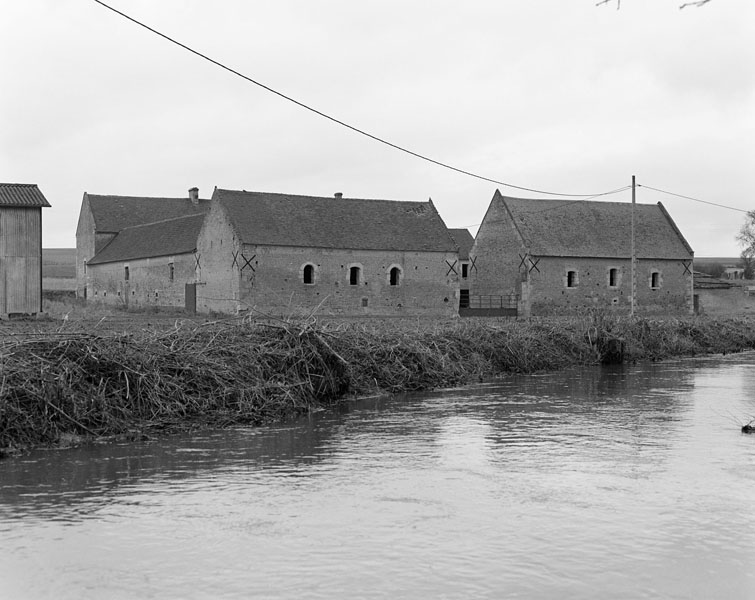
65	385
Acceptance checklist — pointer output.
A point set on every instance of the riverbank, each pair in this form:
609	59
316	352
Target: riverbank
62	385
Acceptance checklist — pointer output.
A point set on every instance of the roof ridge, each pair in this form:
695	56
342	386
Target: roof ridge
287	195
194	216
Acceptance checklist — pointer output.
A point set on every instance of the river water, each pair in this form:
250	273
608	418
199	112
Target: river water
629	482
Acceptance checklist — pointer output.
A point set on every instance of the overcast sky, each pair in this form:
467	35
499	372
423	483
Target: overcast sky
556	95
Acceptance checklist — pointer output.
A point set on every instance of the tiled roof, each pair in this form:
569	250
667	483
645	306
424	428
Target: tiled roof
21	194
113	213
315	222
164	238
464	241
595	229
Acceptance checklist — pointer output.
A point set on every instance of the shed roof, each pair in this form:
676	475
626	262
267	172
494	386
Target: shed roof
22	194
326	222
113	213
595	229
464	241
164	238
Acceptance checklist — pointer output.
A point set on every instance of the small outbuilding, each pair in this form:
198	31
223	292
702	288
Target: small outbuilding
21	207
557	257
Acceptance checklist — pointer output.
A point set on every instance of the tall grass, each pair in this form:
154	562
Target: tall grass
64	384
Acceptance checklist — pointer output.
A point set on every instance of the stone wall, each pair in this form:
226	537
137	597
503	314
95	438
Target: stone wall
277	284
551	294
156	281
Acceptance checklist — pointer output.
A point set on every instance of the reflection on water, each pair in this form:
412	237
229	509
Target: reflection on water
624	483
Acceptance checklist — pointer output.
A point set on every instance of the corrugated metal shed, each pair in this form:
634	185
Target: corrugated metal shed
21	248
21	194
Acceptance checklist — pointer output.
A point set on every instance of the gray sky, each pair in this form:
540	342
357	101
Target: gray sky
555	95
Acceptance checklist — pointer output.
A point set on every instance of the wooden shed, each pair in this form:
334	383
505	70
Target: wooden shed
21	248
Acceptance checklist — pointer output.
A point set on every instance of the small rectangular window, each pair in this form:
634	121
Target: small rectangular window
354	276
171	271
125	273
613	277
464	270
571	279
655	279
365	302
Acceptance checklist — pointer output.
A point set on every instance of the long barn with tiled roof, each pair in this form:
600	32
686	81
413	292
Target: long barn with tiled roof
285	254
21	207
555	257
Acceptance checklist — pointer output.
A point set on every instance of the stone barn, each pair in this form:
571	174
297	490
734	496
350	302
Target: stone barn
557	257
103	218
282	254
147	265
21	248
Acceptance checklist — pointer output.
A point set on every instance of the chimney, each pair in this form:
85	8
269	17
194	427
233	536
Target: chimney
338	194
194	195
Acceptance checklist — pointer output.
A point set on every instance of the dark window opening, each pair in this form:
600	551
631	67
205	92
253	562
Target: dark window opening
571	279
365	301
463	298
613	277
354	273
395	275
125	273
309	274
655	279
171	271
464	270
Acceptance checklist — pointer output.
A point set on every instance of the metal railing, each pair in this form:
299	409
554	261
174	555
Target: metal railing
489	301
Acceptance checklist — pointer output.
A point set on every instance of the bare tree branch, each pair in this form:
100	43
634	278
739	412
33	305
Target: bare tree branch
694	3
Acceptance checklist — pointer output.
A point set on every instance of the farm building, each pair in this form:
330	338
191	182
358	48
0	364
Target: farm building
464	242
121	236
21	248
556	257
286	254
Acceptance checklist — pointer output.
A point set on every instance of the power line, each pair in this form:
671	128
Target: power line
566	204
691	198
339	122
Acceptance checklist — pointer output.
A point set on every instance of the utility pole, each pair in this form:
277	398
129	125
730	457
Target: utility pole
633	258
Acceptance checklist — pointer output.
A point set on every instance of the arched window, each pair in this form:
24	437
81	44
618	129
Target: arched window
355	275
309	274
394	276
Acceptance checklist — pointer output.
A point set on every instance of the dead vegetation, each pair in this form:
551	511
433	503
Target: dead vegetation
66	384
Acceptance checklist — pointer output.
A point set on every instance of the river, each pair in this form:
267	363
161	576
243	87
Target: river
626	482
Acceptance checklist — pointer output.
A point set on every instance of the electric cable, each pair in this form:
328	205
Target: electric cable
338	121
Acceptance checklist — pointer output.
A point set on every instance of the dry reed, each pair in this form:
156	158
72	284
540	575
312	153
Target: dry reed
77	384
